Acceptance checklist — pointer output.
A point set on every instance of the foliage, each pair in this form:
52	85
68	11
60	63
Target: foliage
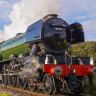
90	90
87	49
5	94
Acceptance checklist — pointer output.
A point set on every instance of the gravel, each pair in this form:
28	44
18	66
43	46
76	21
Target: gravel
13	93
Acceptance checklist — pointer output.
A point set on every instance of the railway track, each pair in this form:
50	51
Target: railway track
30	93
23	91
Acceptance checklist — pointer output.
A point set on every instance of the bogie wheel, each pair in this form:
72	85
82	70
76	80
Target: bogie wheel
23	82
5	79
13	80
30	86
48	84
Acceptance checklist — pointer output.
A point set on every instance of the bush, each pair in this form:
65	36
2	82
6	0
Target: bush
87	49
5	94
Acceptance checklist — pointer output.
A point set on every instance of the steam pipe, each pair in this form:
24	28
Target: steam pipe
34	50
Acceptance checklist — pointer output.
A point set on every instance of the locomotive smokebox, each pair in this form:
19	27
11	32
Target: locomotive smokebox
53	32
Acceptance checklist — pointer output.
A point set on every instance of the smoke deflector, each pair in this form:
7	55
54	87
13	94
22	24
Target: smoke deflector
75	33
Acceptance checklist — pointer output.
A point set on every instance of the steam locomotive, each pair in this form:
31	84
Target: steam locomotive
39	58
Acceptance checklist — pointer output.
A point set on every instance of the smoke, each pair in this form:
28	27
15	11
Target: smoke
1	38
31	67
27	12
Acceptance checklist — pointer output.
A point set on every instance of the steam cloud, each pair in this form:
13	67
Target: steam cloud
31	68
27	12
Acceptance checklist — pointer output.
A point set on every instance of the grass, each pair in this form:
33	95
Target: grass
5	94
91	91
15	50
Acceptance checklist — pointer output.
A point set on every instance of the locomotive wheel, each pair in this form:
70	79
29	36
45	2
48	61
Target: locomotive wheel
4	68
48	84
23	82
5	79
30	86
13	81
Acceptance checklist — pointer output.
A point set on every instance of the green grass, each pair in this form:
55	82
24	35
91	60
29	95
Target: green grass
5	94
93	90
90	90
15	50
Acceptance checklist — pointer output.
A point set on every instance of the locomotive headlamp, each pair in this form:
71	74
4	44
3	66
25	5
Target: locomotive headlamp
94	70
58	70
74	71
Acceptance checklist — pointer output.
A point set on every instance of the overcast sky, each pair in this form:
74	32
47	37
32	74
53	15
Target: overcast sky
83	11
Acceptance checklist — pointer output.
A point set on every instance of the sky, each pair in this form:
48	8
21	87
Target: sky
16	15
5	10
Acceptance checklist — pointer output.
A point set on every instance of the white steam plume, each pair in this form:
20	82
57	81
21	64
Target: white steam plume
27	12
1	34
31	67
